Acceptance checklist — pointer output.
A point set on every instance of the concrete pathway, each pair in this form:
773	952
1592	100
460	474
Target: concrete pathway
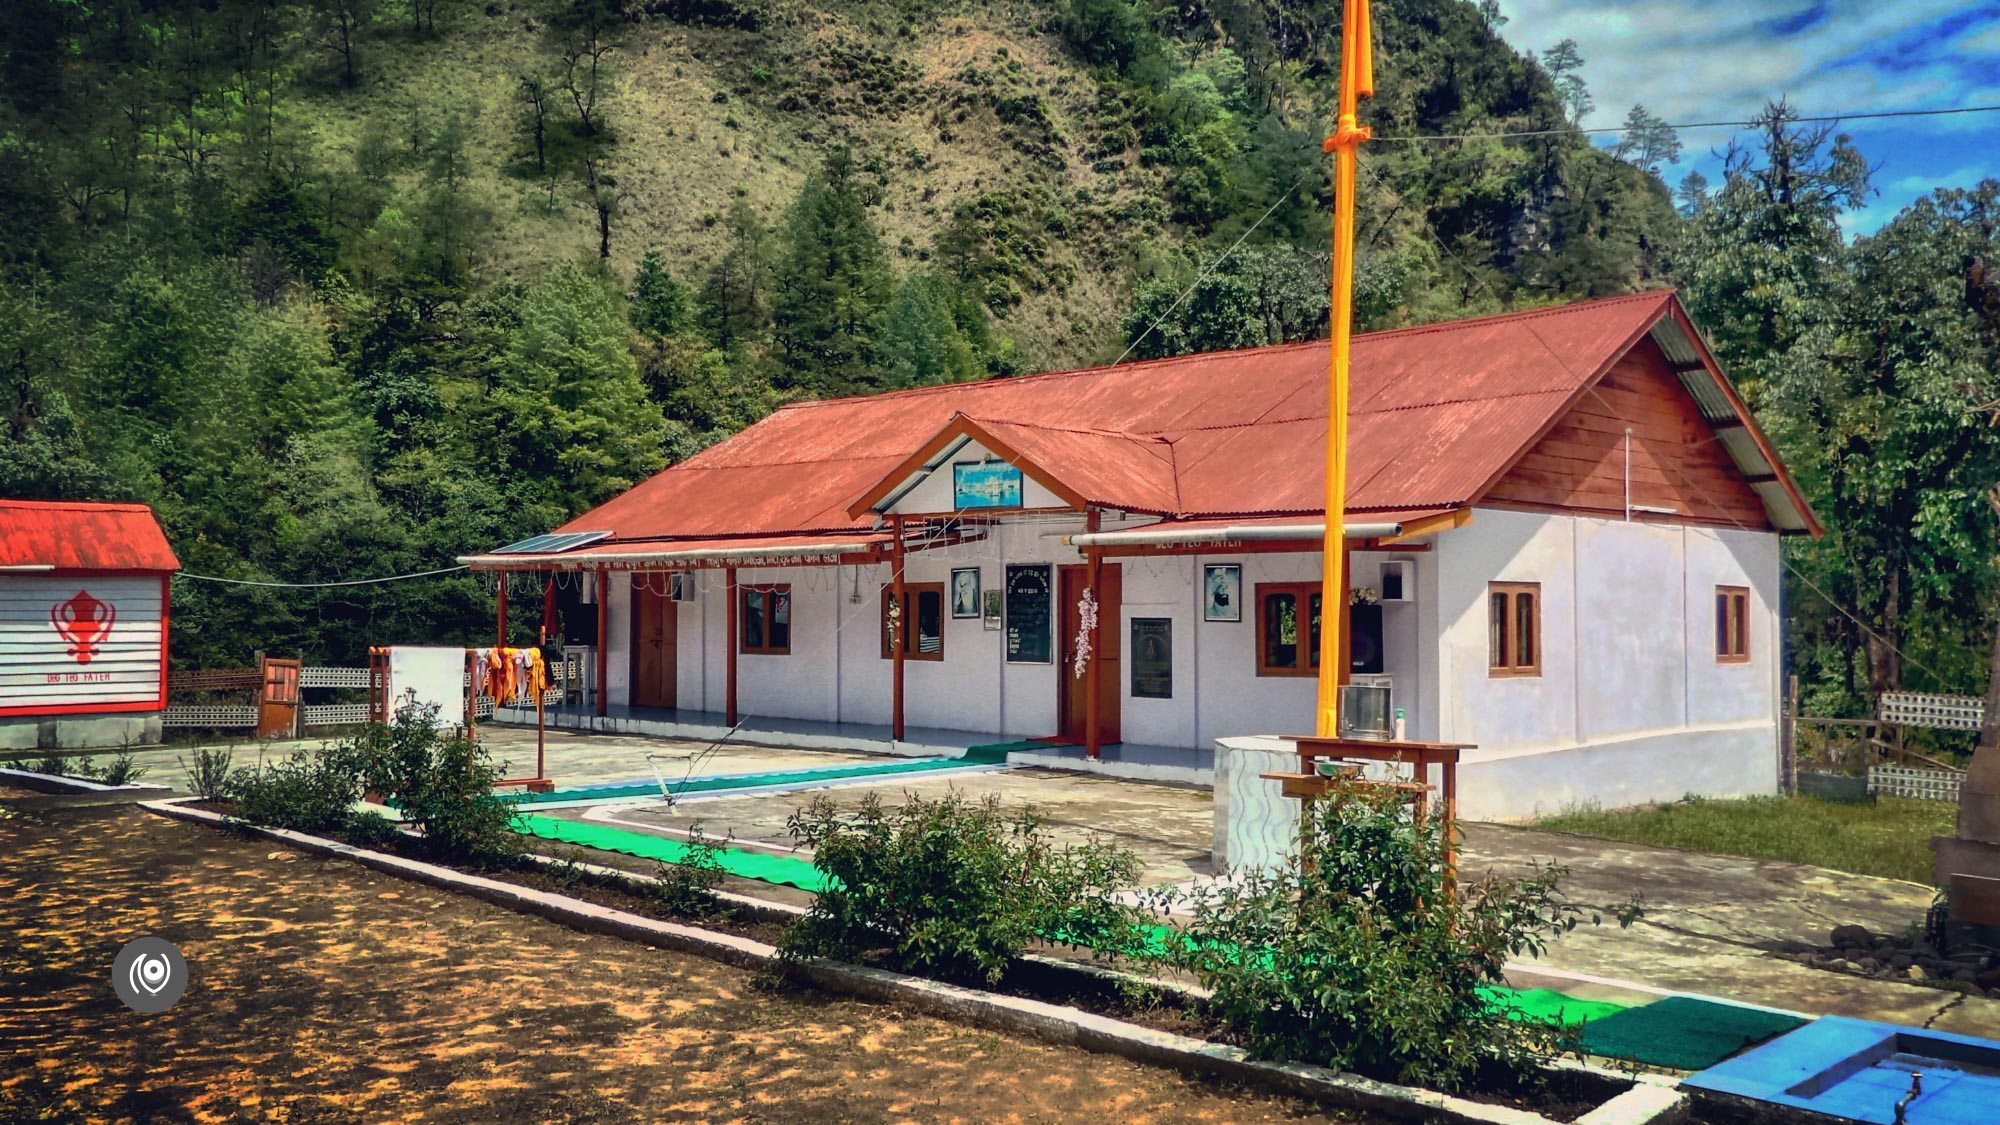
1711	922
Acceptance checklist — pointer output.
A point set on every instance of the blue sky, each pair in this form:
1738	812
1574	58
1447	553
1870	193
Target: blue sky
1706	60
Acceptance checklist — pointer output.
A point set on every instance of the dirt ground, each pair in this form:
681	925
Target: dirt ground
321	991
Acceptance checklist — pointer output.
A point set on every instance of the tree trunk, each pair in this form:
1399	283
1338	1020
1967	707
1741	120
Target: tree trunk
1979	793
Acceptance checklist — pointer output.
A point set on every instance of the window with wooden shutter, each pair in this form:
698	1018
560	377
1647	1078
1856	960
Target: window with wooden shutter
1732	625
766	620
1514	628
1288	639
923	626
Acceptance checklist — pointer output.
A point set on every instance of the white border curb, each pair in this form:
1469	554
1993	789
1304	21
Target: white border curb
1650	1099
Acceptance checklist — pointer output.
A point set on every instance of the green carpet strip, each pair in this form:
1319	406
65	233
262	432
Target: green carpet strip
1683	1032
784	870
748	781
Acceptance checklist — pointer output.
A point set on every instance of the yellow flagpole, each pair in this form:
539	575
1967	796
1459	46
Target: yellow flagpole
1357	81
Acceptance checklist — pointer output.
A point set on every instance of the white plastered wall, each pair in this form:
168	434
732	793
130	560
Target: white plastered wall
1631	704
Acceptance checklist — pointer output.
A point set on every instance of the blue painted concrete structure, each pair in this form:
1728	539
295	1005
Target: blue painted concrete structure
1858	1071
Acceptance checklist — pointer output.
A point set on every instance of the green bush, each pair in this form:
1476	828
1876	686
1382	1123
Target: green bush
122	770
442	782
208	776
370	829
686	887
954	889
1354	955
311	791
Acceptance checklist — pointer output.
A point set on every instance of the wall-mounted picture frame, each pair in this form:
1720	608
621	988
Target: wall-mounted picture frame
993	606
985	484
965	593
1221	592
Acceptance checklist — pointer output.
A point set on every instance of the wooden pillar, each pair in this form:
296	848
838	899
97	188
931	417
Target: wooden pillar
901	636
603	580
729	646
1093	708
501	631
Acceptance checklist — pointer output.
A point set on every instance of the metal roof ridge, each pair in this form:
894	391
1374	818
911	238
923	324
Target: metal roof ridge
1126	435
1158	361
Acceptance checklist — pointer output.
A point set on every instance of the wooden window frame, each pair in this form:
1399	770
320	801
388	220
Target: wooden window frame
1732	609
1512	664
915	590
772	592
1308	664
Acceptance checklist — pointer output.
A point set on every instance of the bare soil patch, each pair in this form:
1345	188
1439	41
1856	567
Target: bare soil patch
322	991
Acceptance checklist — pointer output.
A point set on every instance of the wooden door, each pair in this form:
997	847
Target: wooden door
278	699
1071	700
654	642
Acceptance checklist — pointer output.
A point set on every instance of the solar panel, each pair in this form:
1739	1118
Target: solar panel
553	544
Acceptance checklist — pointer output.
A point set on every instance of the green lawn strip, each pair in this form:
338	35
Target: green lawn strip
1890	838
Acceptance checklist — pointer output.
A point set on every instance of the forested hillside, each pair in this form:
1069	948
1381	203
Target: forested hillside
348	287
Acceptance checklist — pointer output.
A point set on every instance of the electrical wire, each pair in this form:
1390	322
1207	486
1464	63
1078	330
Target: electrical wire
318	585
1569	131
1211	268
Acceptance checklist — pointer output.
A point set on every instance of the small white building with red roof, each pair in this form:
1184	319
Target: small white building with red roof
1564	530
84	614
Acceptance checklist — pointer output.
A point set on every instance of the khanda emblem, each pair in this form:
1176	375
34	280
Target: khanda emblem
83	622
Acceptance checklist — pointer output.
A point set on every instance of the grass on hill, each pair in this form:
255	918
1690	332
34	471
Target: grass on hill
1890	838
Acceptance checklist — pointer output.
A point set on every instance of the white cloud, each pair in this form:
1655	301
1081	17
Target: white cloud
1705	59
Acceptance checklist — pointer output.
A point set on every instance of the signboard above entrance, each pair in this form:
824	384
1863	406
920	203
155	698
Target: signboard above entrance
985	484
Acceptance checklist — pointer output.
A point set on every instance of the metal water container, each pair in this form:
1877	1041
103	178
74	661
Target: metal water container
1364	713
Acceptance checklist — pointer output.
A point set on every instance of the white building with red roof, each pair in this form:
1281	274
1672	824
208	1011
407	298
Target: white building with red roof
1564	529
83	624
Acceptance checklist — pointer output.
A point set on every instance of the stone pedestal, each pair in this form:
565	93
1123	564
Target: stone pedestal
1969	872
1256	825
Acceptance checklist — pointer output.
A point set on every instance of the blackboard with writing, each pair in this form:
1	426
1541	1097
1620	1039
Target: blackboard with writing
1152	657
1030	634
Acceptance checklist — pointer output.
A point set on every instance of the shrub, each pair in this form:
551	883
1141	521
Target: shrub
370	829
1355	955
53	763
208	777
311	791
686	887
122	770
954	889
442	782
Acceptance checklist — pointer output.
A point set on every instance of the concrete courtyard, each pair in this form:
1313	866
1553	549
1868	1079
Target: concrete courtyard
1711	921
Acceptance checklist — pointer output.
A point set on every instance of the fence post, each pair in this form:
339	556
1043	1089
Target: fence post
1788	740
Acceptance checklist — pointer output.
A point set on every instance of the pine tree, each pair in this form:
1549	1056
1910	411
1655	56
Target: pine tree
735	299
659	302
580	425
832	281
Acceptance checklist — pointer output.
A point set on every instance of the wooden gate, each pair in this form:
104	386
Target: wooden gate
278	698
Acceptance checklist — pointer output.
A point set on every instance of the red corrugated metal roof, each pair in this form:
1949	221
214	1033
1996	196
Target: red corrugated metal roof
1437	412
80	535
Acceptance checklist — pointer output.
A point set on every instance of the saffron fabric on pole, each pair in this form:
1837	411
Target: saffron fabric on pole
1357	81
